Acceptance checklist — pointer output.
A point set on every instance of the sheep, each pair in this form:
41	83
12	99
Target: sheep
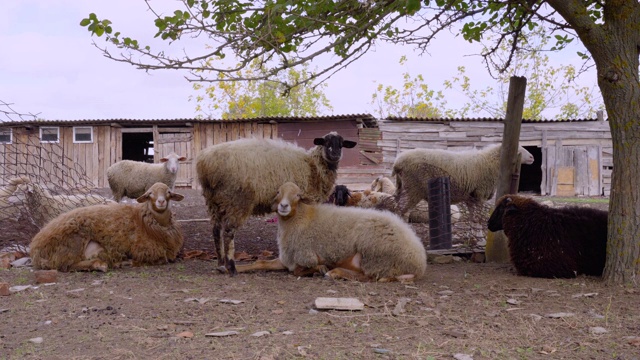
8	201
133	178
473	174
240	178
383	184
342	196
43	206
551	242
102	237
351	243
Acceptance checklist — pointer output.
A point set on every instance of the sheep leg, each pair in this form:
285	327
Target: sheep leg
269	265
90	265
230	256
349	269
219	245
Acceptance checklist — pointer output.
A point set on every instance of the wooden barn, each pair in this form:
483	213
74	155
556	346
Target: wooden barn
80	151
572	157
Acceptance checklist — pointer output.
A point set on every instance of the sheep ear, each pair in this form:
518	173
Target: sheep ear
164	159
176	197
182	158
349	144
144	197
318	141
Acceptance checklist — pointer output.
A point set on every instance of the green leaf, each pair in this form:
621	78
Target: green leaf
99	30
190	3
93	17
85	22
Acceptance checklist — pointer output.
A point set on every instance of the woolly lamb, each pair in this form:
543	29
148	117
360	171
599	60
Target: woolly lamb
240	178
132	178
352	243
552	242
43	206
473	174
342	196
101	237
9	203
383	184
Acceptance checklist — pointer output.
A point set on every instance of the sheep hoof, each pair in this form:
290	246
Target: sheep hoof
100	266
222	269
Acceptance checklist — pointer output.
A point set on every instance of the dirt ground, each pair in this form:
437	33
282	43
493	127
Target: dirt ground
187	310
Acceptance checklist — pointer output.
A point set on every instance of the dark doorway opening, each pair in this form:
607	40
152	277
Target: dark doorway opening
531	175
137	146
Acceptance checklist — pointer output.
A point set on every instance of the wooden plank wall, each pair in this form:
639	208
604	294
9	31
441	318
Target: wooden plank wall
592	137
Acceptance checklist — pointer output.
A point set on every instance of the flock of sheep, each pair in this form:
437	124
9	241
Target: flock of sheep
364	238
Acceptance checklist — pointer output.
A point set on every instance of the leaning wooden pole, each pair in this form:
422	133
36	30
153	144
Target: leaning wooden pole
497	246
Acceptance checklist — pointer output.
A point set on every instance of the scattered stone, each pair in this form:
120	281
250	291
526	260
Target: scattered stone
185	335
36	340
584	295
313	312
559	315
535	317
198	300
228	301
3	310
46	276
445	292
513	302
325	303
260	333
277	311
594	314
18	288
633	340
97	282
22	262
399	309
222	334
598	330
381	351
462	357
330	291
4	289
288	332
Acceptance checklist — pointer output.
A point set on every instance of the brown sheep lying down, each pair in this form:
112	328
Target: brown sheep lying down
552	242
100	237
342	242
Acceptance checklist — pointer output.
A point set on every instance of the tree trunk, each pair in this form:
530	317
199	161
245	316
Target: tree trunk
616	59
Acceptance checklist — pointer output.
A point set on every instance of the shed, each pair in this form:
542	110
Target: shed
49	148
572	157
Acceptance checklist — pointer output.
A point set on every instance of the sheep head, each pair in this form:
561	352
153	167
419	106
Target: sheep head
171	162
287	200
525	156
341	195
158	197
333	144
505	205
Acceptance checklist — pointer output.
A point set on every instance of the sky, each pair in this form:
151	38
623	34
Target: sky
49	66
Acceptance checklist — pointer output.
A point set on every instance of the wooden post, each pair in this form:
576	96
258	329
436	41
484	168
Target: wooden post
497	246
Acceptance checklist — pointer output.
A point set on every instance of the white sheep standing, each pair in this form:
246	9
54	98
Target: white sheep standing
240	178
9	203
43	206
473	174
351	243
101	237
133	178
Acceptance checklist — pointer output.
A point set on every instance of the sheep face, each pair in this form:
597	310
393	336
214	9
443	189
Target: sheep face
525	156
171	161
341	195
333	144
287	199
159	196
505	205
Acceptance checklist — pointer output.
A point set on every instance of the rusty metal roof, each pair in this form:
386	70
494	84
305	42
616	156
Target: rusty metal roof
367	118
482	119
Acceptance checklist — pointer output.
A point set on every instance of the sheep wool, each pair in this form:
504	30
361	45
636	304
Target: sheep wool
552	242
100	237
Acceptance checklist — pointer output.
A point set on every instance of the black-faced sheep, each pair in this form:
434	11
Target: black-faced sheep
133	178
43	206
552	242
101	237
351	243
10	203
240	178
473	174
342	196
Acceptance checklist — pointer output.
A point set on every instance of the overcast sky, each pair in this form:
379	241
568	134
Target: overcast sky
49	66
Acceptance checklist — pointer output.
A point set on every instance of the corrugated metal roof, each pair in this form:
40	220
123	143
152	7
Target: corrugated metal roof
123	121
485	119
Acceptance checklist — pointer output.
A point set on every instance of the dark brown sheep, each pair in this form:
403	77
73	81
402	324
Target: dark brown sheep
552	242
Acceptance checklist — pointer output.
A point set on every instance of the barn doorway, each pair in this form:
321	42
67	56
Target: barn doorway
531	175
137	146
